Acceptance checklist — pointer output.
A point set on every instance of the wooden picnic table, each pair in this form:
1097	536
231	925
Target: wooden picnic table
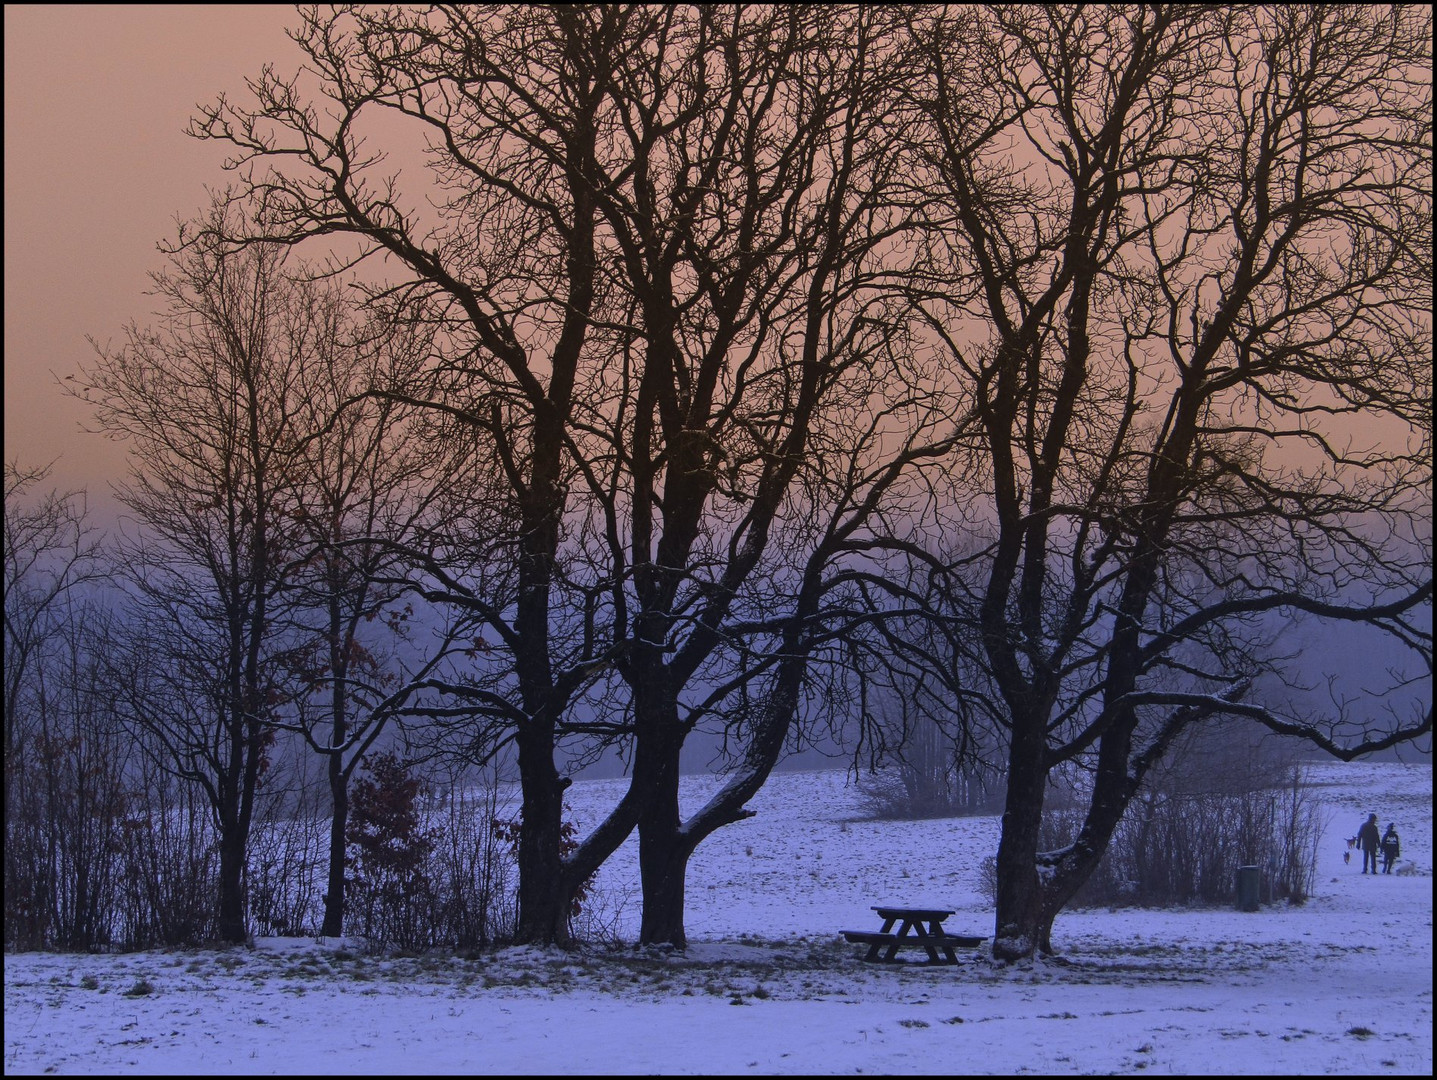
917	928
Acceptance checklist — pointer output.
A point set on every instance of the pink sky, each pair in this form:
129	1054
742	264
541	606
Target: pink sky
97	166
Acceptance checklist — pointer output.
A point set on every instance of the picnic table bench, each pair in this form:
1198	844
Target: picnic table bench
917	928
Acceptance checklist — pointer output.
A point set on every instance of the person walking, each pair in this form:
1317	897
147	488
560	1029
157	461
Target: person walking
1369	841
1391	848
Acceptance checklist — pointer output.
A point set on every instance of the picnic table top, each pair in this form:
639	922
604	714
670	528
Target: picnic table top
886	912
924	940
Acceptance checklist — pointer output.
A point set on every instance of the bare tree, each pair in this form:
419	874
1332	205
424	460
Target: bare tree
1192	286
208	402
661	237
514	125
771	404
52	558
363	482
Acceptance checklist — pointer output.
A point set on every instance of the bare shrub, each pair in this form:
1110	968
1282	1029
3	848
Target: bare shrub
169	874
932	776
1185	847
422	878
61	790
63	841
285	865
472	868
902	793
1219	806
600	918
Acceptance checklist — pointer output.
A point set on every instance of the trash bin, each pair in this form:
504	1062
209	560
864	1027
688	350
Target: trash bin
1249	887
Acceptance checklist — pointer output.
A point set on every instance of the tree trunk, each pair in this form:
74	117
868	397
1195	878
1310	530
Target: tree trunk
1021	926
338	777
231	914
663	851
334	896
663	864
543	905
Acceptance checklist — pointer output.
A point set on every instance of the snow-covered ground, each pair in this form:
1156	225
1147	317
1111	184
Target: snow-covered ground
1342	984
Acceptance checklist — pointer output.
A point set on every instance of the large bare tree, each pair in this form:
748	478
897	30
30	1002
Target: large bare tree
510	102
770	403
663	238
1191	295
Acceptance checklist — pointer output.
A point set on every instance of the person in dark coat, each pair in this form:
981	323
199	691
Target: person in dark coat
1391	848
1369	841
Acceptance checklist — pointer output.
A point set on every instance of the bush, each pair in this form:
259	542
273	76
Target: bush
418	880
169	876
1218	807
472	870
1184	848
286	863
901	793
63	843
389	892
933	777
105	850
422	873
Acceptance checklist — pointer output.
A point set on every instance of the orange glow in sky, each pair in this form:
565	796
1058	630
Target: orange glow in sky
97	167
